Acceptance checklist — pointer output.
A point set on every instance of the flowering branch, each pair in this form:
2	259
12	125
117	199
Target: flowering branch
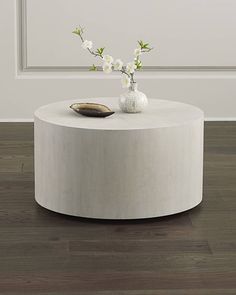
109	64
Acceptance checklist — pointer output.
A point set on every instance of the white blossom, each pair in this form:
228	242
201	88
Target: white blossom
137	52
107	68
87	44
118	64
108	59
125	81
131	67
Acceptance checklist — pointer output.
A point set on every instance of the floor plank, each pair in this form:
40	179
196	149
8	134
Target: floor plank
192	253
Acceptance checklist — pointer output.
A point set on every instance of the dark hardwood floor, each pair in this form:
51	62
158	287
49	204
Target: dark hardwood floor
192	253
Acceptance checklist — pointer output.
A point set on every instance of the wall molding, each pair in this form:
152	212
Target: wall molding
22	34
25	67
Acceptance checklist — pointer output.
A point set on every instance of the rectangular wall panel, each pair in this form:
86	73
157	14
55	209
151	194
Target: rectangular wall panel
51	58
185	33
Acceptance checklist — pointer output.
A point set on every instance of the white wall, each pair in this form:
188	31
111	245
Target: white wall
42	62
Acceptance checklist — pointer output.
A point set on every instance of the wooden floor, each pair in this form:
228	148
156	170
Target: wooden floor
192	253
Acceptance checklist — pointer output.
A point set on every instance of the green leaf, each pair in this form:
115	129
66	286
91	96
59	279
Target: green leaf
77	31
100	51
144	45
140	43
93	68
138	64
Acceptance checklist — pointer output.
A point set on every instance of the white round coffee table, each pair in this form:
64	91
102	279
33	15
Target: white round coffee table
125	166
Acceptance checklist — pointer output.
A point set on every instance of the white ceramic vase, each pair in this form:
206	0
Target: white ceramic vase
133	101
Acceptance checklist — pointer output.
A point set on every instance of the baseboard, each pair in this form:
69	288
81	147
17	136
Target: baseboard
16	120
220	119
225	119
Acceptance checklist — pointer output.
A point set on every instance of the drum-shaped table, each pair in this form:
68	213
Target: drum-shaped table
125	166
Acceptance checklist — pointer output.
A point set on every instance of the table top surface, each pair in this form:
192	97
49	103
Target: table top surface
158	114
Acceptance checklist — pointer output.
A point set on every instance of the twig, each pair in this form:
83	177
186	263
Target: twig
100	55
